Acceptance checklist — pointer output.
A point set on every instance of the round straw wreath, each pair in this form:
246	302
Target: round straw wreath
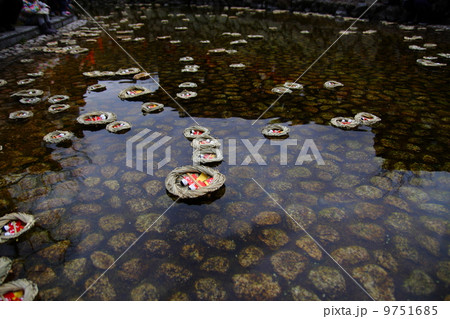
190	134
271	130
27	219
205	141
207	155
29	288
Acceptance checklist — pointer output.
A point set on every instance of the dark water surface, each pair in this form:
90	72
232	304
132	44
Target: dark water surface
379	205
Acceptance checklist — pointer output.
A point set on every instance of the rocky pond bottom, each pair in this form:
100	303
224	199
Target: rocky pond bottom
379	204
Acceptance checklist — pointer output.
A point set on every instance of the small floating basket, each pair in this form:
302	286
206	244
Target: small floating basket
345	122
56	108
186	59
185	94
188	85
127	72
281	90
255	36
237	66
19	115
275	130
57	99
218	51
205	141
207	155
5	266
3	82
96	88
28	93
195	186
96	118
118	126
93	74
27	290
367	118
36	74
195	131
331	85
26	60
17	224
293	85
133	92
426	62
78	51
30	100
56	137
150	107
25	81
142	76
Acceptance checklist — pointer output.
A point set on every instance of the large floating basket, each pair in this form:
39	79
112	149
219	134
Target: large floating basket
96	87
56	137
195	131
207	155
56	108
331	85
150	107
205	141
28	93
5	266
30	100
127	72
174	181
20	115
345	122
275	130
57	99
133	92
96	118
367	118
28	288
118	127
21	223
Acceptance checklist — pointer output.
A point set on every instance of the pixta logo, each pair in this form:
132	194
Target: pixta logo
142	146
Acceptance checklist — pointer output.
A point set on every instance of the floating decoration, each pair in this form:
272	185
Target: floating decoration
25	81
175	41
281	90
205	141
30	100
118	126
3	82
443	55
78	51
142	76
195	131
133	92
217	51
96	118
293	85
345	122
22	114
56	108
185	94
231	51
273	28
26	60
237	66
93	74
188	85
416	48
205	41
330	85
164	21
429	45
107	73
193	181
275	130
139	39
150	107
18	290
406	27
186	59
367	118
238	42
96	87
207	155
190	68
306	32
180	28
347	32
255	36
430	57
57	99
425	62
235	34
369	32
28	93
52	44
413	38
164	37
129	71
56	137
15	224
36	74
5	266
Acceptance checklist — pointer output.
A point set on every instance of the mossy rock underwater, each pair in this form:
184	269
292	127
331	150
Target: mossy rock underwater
275	130
150	107
15	224
18	290
56	137
193	181
118	127
345	122
205	141
20	115
96	118
56	108
195	131
133	92
207	155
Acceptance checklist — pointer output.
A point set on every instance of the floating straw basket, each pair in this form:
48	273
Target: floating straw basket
5	266
367	118
268	131
22	114
345	122
190	136
133	92
173	181
96	118
205	141
57	99
207	155
150	107
29	288
56	108
28	93
27	219
56	137
118	126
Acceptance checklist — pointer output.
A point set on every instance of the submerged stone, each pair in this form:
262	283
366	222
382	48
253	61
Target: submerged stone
111	222
255	286
399	222
301	294
443	271
386	260
56	252
157	247
288	264
404	249
217	264
144	292
299	215
121	241
250	256
219	243
371	232
152	223
41	274
215	224
327	234
267	218
333	214
368	210
91	241
414	194
310	247
102	290
132	270
369	192
274	238
175	273
193	252
419	283
74	269
101	259
209	289
350	255
397	202
376	281
327	280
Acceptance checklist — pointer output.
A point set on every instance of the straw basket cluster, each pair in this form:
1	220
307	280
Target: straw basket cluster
197	180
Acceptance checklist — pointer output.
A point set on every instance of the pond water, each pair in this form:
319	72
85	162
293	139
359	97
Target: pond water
379	205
